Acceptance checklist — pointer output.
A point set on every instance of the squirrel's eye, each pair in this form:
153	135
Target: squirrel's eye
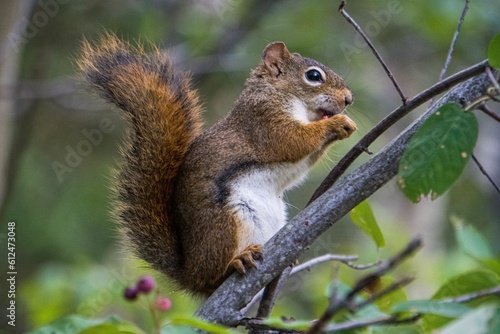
314	76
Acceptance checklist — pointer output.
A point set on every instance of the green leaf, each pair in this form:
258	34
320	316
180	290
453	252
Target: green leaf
468	282
399	329
200	324
470	240
492	264
297	325
459	285
438	152
474	322
450	310
106	329
69	324
362	216
494	52
78	324
494	325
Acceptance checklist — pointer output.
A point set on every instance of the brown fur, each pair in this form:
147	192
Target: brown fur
164	116
173	184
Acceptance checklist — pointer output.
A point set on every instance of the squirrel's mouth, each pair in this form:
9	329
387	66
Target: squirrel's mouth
326	113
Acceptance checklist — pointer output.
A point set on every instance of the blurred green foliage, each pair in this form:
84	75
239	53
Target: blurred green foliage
68	257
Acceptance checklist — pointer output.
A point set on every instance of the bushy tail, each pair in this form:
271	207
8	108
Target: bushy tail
163	112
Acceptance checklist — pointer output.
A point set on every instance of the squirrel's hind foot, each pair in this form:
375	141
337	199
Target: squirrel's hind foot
246	259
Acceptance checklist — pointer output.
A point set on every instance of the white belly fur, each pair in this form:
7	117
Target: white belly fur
257	199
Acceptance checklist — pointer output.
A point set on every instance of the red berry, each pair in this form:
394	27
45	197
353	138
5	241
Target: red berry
131	293
163	303
145	284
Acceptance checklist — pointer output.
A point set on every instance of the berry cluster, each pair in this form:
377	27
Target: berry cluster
145	285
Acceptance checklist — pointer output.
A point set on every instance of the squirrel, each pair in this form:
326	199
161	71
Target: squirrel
198	205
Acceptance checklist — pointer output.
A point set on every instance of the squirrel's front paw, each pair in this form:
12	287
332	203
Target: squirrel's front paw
344	126
247	258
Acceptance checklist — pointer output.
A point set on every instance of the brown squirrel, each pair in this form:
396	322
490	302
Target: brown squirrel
199	205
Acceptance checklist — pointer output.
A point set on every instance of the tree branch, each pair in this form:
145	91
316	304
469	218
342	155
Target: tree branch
345	259
486	174
494	80
268	298
271	292
484	108
374	50
454	40
293	239
452	45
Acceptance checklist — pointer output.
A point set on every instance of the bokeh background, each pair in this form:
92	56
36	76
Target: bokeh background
67	255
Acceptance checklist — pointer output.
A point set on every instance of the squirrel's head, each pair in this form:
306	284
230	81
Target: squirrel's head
315	92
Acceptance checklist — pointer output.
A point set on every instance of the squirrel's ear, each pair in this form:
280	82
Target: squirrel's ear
273	54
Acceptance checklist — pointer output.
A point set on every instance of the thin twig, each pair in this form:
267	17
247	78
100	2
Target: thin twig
365	323
254	300
485	173
271	293
377	295
392	118
454	40
494	93
494	80
385	266
484	108
362	266
346	259
452	45
474	295
374	50
269	296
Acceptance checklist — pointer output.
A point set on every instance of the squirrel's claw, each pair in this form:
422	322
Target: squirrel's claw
246	259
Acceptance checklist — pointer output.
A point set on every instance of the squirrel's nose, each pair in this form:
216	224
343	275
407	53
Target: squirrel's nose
348	99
